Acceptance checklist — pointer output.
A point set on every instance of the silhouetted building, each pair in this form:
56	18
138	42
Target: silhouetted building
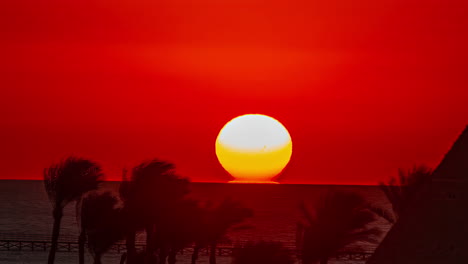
434	228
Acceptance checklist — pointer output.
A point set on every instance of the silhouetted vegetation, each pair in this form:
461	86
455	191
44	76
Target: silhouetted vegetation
65	182
262	252
337	220
401	189
152	192
216	222
183	227
101	223
153	201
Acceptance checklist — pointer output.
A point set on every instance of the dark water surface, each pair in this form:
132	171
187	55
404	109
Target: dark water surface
26	212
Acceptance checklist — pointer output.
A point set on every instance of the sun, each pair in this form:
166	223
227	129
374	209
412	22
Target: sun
253	148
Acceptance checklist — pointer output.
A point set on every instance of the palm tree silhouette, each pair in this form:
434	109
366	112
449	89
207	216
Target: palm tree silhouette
65	182
101	222
337	220
401	189
180	228
262	252
152	191
218	220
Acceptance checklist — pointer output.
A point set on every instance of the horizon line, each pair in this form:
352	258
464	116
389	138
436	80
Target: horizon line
243	183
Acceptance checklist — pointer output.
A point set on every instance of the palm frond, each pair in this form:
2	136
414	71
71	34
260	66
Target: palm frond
382	212
400	190
102	221
370	235
340	218
70	179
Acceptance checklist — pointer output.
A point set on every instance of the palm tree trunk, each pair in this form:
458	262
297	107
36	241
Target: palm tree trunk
81	246
57	213
123	258
172	257
97	259
130	245
151	245
195	254
162	255
213	253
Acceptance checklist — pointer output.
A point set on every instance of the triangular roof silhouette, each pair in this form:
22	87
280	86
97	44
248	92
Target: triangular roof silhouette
455	163
434	228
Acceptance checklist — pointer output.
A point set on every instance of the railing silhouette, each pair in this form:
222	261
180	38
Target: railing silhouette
62	246
22	243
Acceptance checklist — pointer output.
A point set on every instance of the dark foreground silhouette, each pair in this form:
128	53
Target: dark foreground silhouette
432	226
428	212
66	182
335	221
153	200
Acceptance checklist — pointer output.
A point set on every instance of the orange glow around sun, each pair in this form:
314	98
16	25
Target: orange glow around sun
254	148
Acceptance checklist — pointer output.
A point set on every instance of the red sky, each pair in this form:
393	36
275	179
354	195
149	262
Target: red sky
364	87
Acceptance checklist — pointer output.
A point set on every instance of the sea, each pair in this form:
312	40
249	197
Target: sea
25	212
